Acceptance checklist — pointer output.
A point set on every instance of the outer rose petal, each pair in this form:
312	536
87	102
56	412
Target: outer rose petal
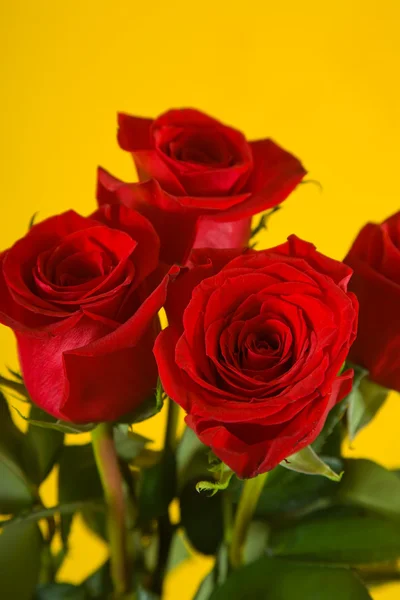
134	132
375	260
175	226
181	222
93	373
248	459
141	231
203	263
187	117
15	315
170	374
276	173
377	345
230	234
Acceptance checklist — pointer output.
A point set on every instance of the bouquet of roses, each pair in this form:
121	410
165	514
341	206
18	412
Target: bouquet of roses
161	299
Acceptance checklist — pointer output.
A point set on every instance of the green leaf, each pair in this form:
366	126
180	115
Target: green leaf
15	386
365	400
178	552
206	588
36	451
39	513
60	591
280	579
188	446
201	518
192	458
11	438
256	541
16	374
57	424
287	491
128	443
347	540
380	573
99	584
143	594
20	550
370	485
157	488
79	481
16	492
308	462
42	445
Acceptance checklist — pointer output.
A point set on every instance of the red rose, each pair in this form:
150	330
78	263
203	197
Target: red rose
175	226
83	305
254	348
375	259
208	170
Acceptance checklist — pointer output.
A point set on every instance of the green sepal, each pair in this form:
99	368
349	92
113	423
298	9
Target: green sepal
223	476
57	424
308	462
150	407
263	221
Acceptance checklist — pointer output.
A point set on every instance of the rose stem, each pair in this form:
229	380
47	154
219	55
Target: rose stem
111	479
165	527
227	514
247	505
170	440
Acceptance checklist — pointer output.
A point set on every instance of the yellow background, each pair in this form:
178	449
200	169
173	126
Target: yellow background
321	78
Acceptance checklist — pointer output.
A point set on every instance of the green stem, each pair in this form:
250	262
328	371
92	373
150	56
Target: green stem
165	527
112	482
171	440
227	513
247	505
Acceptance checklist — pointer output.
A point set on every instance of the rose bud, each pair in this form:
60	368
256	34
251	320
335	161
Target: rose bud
254	347
375	260
209	170
82	297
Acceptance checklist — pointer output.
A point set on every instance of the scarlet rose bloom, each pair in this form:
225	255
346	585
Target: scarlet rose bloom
79	294
375	259
254	348
208	170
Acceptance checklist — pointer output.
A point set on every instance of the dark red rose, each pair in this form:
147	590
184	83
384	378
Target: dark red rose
209	170
254	348
82	299
375	259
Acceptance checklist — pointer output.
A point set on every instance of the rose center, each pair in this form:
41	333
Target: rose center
201	150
